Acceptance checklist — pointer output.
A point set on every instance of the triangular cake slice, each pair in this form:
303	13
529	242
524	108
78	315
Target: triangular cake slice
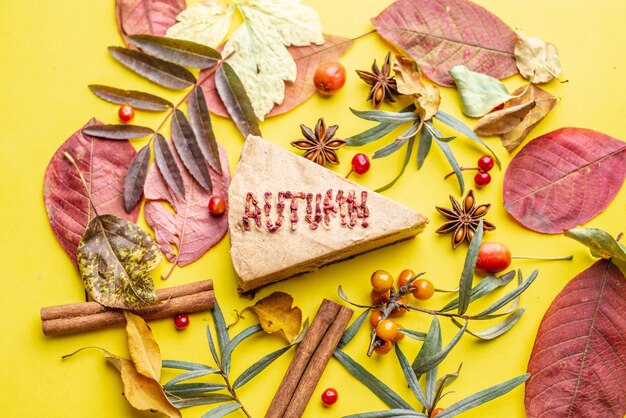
316	217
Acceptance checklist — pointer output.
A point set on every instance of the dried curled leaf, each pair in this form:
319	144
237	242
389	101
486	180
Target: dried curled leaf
143	348
276	315
537	61
479	92
600	243
115	258
409	82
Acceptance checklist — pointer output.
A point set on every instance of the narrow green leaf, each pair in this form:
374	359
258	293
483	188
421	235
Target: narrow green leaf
410	377
184	365
236	100
343	296
186	389
426	140
483	396
189	151
222	332
465	284
389	148
487	285
201	123
178	51
119	132
431	375
431	386
222	410
167	166
510	296
158	71
137	99
480	93
259	366
444	381
498	329
135	178
386	117
207	399
390	413
232	344
447	152
209	337
384	392
428	363
407	157
459	126
371	135
193	374
416	335
351	331
600	242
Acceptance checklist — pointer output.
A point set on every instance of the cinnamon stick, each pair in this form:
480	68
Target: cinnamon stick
85	316
310	360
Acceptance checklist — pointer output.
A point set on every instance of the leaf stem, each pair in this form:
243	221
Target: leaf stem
233	393
555	258
462	169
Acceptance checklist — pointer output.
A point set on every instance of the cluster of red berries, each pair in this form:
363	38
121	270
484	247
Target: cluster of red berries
483	178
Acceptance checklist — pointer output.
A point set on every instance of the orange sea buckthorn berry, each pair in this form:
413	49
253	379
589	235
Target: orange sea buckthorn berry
384	348
424	289
387	329
404	277
399	311
381	281
375	318
379	298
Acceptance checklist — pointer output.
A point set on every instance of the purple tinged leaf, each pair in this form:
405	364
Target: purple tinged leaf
118	132
158	71
141	16
189	151
167	166
137	99
201	123
235	98
135	178
178	51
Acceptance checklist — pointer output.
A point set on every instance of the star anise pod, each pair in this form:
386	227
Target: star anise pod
383	85
463	219
320	146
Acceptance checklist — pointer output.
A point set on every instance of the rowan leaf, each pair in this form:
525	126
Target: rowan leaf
201	123
537	61
115	258
479	92
276	315
135	178
137	99
178	51
206	23
143	348
151	17
235	98
188	150
118	132
165	162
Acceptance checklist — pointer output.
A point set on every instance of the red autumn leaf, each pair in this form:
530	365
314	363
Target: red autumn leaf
151	17
189	231
563	179
104	164
440	34
578	364
307	58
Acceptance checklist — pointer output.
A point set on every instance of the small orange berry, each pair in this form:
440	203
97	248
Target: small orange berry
436	412
375	318
383	349
424	289
381	281
387	329
379	298
399	311
405	276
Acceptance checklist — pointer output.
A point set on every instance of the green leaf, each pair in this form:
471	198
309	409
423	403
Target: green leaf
416	335
432	345
435	359
389	148
119	132
167	166
484	287
232	344
371	135
444	381
259	366
115	258
498	329
465	284
480	93
351	331
390	413
158	71
411	377
178	51
207	399
209	338
433	339
236	100
407	157
465	130
184	365
343	296
185	389
137	99
222	332
135	178
386	117
426	140
483	396
222	410
189	151
453	163
201	123
600	242
384	392
193	374
510	296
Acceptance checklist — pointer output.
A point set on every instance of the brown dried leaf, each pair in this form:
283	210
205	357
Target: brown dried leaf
409	82
276	314
518	116
143	348
537	61
143	393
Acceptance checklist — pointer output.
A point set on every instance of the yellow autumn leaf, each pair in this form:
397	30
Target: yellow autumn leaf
537	61
142	392
409	82
143	348
276	315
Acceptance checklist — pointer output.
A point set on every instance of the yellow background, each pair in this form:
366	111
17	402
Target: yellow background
51	50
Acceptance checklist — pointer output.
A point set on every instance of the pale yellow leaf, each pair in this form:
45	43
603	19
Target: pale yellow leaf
143	348
205	23
276	315
409	82
504	120
537	61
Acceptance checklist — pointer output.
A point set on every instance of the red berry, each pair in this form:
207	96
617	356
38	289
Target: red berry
493	257
485	163
126	112
329	77
217	206
482	178
330	396
360	163
181	321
